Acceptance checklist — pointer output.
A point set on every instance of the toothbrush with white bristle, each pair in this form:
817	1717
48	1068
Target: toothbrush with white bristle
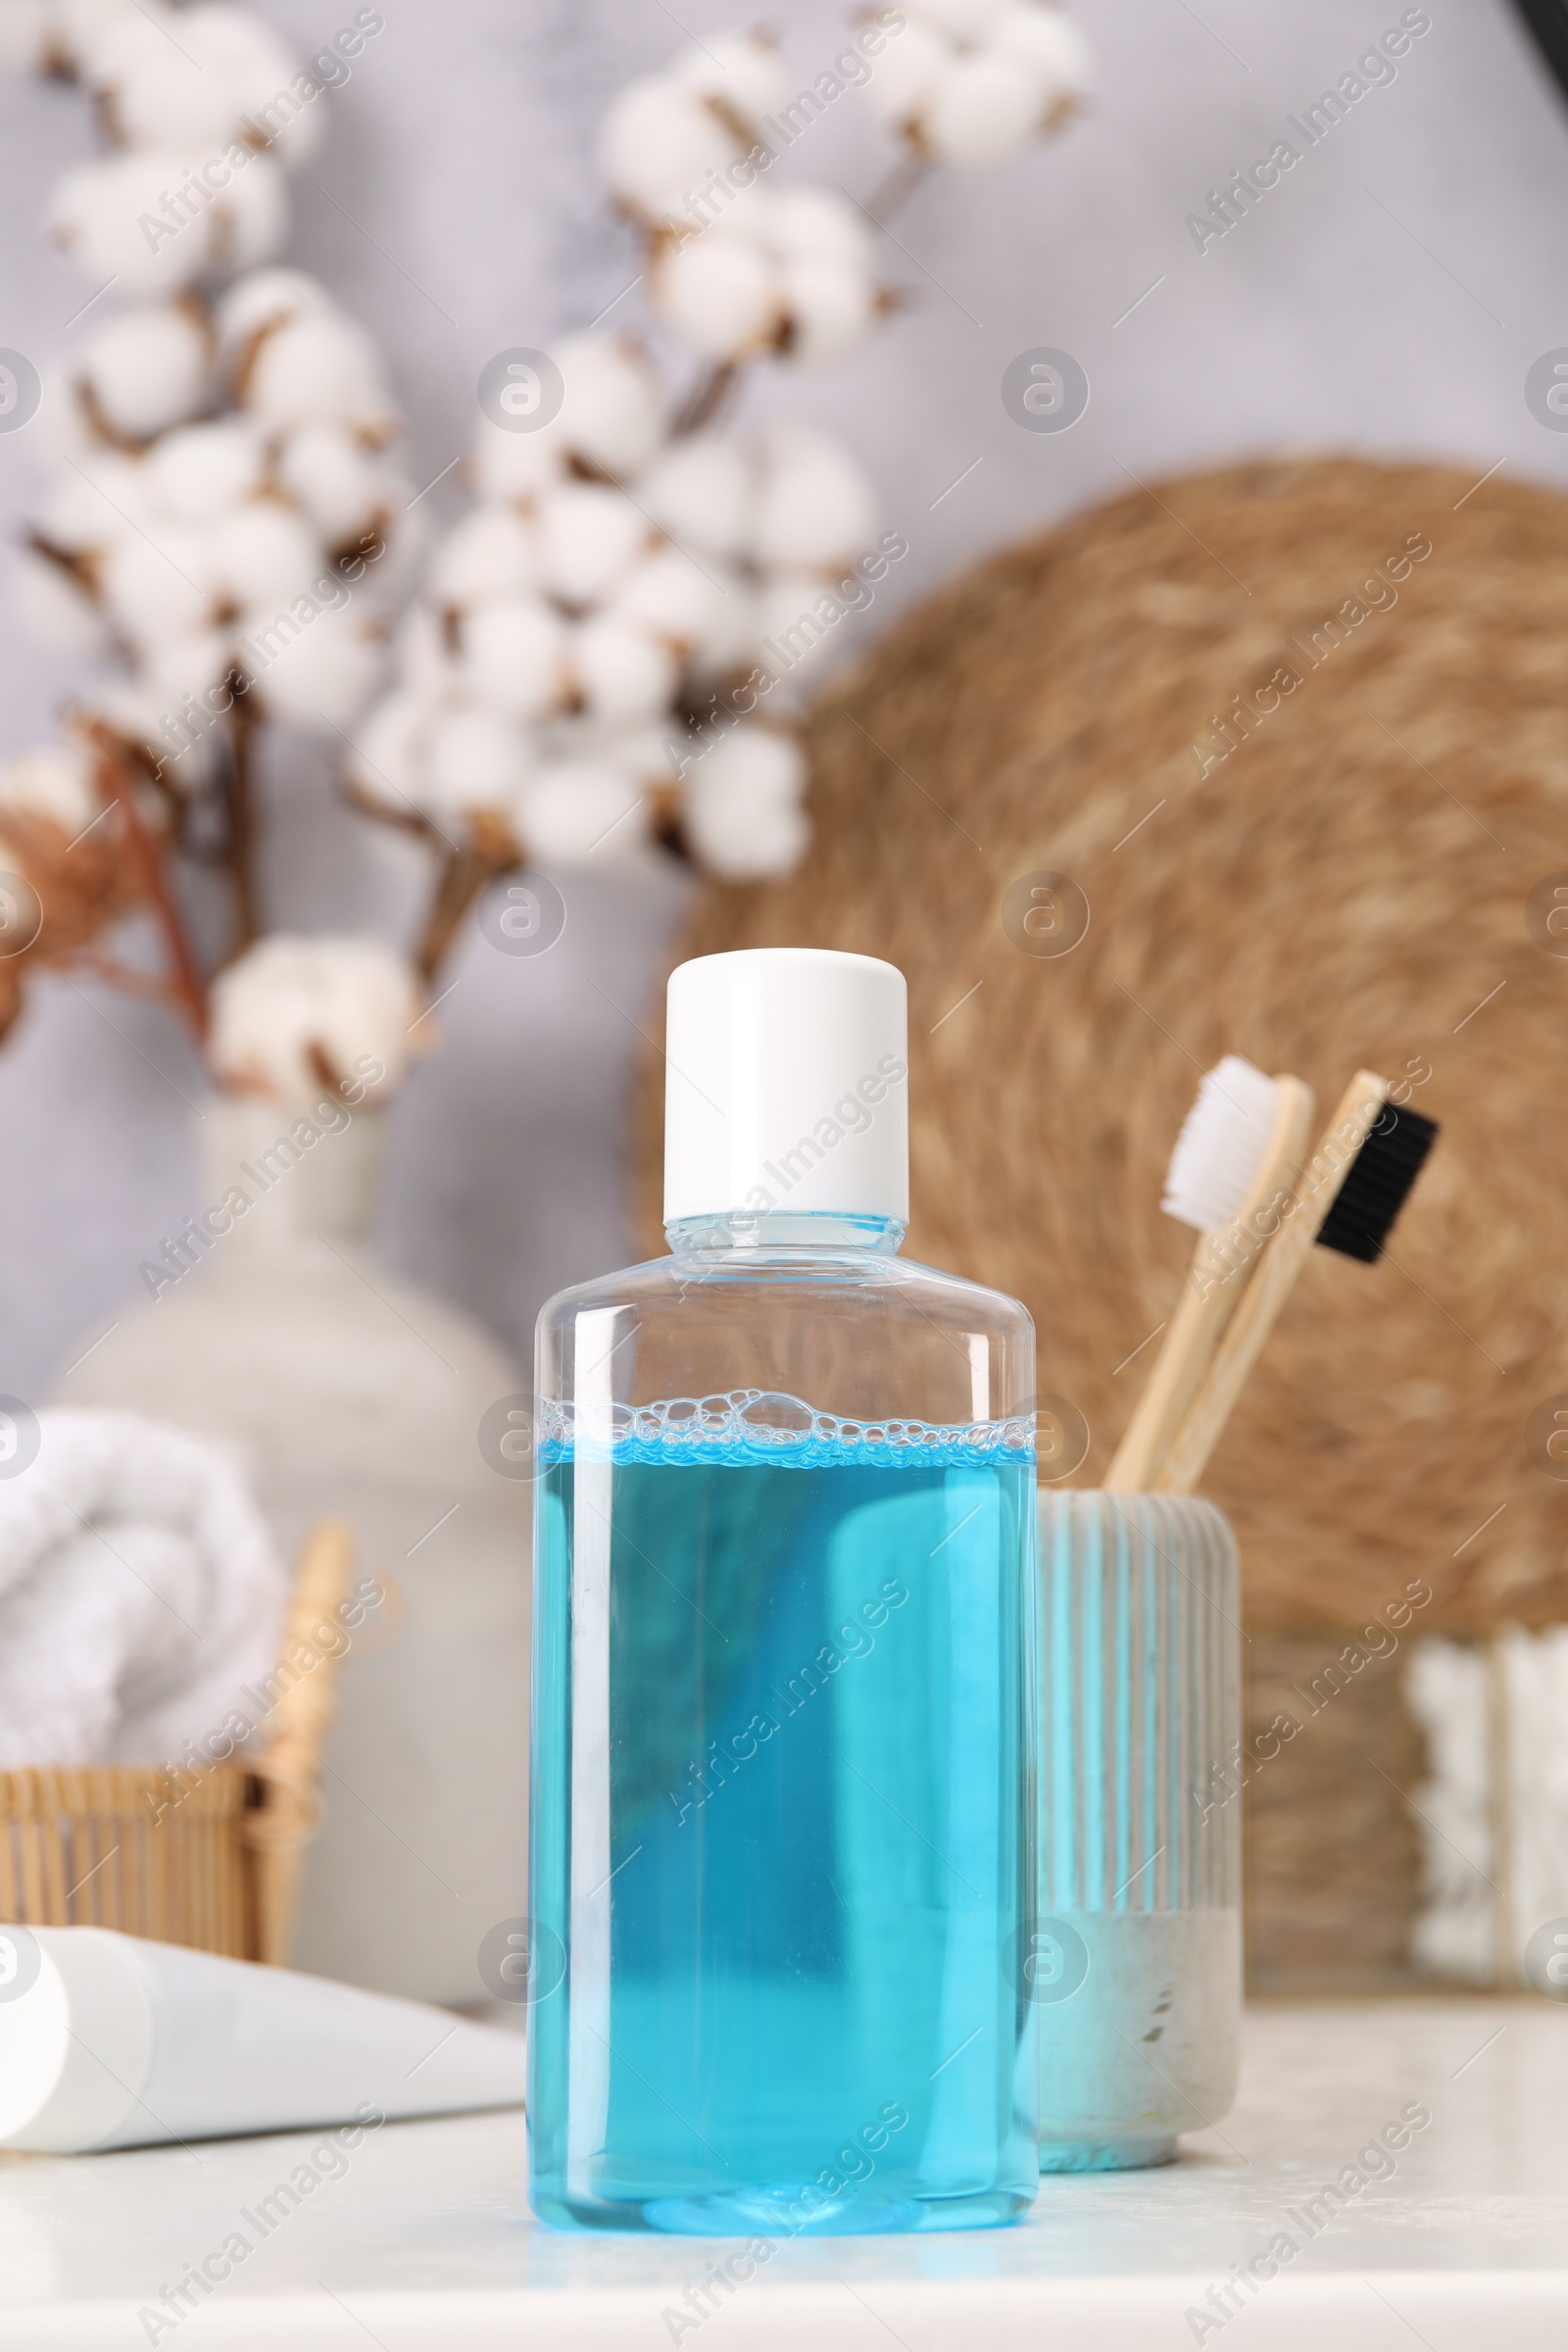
1239	1149
1345	1199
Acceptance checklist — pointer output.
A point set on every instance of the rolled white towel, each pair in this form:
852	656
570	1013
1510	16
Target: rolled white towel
140	1590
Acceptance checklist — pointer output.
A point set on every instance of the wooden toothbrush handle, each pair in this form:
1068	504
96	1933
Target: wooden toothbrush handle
1273	1280
1211	1293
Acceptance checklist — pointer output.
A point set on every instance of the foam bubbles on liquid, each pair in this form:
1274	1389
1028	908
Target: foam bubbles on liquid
762	1424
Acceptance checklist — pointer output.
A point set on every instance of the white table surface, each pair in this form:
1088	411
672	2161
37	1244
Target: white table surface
425	2244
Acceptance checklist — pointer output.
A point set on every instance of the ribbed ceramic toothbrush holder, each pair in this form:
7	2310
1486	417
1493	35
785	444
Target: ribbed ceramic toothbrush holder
1137	1957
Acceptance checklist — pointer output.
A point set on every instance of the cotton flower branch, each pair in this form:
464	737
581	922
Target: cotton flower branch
582	678
79	849
229	526
573	622
114	783
974	81
467	873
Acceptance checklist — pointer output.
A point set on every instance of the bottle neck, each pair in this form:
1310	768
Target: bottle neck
808	1231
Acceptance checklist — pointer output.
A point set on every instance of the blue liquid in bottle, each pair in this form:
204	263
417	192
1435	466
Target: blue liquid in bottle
782	1816
782	1849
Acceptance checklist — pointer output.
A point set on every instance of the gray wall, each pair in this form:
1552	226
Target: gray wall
1388	296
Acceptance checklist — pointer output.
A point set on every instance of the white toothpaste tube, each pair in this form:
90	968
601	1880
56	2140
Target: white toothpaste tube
110	2041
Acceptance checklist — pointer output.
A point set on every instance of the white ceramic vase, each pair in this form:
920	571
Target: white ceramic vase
353	1394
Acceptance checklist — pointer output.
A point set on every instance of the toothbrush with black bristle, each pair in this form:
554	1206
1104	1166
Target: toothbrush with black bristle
1348	1198
1236	1157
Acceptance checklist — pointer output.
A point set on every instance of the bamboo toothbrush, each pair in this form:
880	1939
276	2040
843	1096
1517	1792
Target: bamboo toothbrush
1240	1148
1348	1198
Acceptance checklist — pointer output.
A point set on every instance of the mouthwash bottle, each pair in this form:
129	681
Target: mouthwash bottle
782	1782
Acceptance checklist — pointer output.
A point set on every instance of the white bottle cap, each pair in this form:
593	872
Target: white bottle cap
786	1086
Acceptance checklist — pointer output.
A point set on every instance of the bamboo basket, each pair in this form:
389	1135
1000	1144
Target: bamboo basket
206	1858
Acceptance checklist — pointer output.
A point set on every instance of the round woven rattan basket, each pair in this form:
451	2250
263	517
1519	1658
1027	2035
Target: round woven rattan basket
1298	733
1352	882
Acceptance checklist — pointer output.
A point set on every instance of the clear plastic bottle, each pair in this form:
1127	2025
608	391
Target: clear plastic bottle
781	1848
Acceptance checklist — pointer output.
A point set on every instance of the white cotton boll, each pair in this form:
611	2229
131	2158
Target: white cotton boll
341	485
424	654
701	491
758	762
76	517
196	470
166	98
175	667
702	610
148	369
658	143
95	504
265	298
504	464
352	999
57	781
813	224
514	656
1051	46
720	291
137	714
124	45
588	537
817	507
623	674
959	20
731	634
83	29
743	70
61	431
238	41
251	218
615	412
161	586
322	677
744	817
477	759
645	755
493	551
581	812
87	25
908	74
56	614
96	215
125	38
317	366
988	108
830	305
799	615
264	554
614	415
338	482
389	759
261	71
